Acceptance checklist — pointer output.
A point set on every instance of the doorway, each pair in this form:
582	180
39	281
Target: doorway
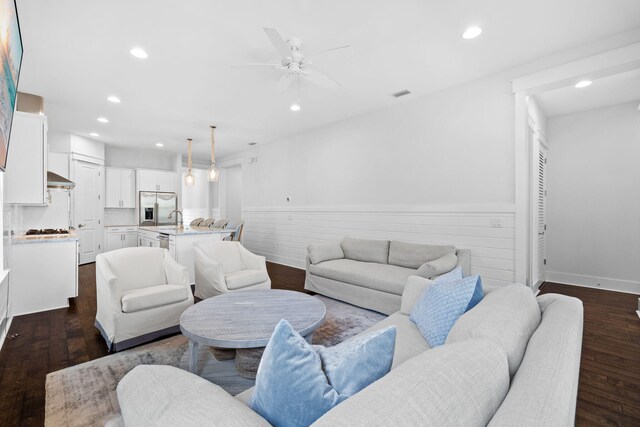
232	208
88	205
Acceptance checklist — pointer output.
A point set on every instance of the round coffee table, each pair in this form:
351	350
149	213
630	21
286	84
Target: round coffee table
242	323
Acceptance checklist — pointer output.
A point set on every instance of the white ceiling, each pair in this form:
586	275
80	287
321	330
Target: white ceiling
76	54
612	90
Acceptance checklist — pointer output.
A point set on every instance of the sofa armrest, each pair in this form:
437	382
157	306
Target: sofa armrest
107	284
208	273
157	395
415	287
252	261
176	274
464	261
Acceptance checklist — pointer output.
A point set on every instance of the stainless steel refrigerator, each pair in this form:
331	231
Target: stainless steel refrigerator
155	208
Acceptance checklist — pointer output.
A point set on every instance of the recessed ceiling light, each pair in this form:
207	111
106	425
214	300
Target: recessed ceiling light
295	107
113	99
138	52
159	144
583	83
95	134
472	33
103	120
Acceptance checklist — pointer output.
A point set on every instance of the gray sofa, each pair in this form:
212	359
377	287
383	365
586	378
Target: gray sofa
512	360
373	273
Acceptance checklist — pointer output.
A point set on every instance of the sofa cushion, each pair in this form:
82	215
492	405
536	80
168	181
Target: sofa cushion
148	270
438	266
508	316
295	386
158	395
441	305
154	296
244	278
413	255
325	252
381	277
409	341
366	250
225	253
454	385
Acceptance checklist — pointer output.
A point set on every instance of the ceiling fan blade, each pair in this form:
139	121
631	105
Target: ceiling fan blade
333	49
256	66
320	79
285	82
279	43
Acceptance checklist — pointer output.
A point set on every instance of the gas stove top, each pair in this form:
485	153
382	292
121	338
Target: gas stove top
46	232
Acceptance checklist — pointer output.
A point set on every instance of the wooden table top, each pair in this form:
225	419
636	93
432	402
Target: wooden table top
246	319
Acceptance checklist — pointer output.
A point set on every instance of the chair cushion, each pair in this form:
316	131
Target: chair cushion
137	267
381	277
438	266
366	250
153	296
325	252
413	255
226	253
244	278
295	385
508	316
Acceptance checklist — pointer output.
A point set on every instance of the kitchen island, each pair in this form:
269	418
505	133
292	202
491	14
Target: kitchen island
44	272
180	241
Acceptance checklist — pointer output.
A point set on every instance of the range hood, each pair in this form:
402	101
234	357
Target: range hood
57	182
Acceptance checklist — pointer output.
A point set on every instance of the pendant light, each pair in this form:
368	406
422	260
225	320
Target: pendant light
213	173
189	179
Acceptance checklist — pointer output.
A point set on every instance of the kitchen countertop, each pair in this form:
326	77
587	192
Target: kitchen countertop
175	231
21	239
122	225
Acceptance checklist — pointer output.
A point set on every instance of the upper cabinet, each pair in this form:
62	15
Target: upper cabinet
26	174
120	188
155	180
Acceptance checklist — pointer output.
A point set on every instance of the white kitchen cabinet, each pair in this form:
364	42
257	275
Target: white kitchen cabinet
120	185
121	237
148	239
51	284
155	180
26	174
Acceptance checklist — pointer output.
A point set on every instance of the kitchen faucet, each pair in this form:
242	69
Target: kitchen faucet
178	218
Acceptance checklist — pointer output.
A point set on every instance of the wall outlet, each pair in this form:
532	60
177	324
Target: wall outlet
496	223
290	217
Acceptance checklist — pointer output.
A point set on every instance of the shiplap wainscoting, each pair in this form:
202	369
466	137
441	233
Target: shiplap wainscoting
283	234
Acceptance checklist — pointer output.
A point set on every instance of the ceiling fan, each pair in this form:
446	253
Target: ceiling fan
294	63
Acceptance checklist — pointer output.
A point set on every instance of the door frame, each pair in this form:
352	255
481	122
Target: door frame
99	242
539	139
616	61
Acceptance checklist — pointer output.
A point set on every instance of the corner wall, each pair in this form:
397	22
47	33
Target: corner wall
594	198
439	169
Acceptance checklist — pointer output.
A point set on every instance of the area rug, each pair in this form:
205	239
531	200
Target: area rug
85	395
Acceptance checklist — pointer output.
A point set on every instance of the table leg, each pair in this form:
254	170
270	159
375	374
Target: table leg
193	356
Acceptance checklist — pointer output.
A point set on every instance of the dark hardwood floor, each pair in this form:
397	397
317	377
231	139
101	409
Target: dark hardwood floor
609	388
609	393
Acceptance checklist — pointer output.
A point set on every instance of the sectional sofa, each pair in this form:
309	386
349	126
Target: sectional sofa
513	360
373	273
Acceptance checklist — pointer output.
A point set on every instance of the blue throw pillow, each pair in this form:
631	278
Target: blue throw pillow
456	273
293	389
442	304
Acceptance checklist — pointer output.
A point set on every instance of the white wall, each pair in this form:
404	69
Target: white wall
439	169
133	158
195	199
594	198
233	193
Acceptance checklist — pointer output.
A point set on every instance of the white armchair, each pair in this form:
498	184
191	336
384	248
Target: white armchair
141	294
222	267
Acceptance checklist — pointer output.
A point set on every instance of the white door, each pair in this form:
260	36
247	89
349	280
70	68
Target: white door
88	208
541	214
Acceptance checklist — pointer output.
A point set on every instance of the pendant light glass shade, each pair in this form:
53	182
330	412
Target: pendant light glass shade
213	174
189	179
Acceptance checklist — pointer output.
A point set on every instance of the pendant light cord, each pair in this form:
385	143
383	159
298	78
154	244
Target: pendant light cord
213	145
189	153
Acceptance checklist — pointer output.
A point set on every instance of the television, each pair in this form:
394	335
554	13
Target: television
11	57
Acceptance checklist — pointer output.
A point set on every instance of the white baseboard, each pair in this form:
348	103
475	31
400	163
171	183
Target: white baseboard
626	286
3	334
